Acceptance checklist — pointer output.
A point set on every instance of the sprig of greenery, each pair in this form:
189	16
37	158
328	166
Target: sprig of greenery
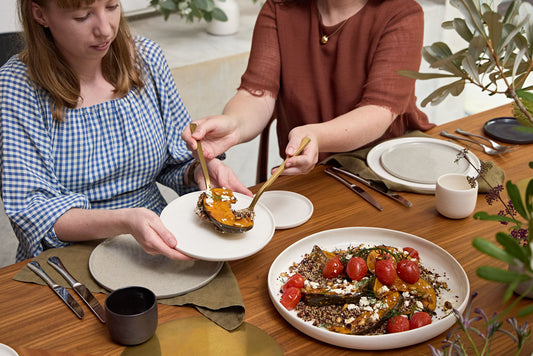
498	57
453	344
515	247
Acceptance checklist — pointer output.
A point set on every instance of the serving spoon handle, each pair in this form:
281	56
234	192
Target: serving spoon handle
201	158
276	174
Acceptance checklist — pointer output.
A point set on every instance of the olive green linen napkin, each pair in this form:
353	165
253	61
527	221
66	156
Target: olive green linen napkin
220	300
355	161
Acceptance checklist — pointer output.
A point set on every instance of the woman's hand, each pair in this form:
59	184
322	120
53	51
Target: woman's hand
221	176
149	231
216	133
93	224
305	161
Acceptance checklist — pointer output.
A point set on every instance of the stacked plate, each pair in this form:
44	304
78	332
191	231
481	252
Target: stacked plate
417	162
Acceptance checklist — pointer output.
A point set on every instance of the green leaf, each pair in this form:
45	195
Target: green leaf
497	274
525	311
469	65
423	76
492	250
219	15
477	46
494	26
512	246
440	94
514	195
523	94
482	215
470	12
460	26
512	10
168	5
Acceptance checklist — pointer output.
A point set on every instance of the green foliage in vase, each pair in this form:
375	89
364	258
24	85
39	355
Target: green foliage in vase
190	9
498	57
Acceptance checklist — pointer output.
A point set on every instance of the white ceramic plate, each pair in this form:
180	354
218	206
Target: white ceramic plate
432	256
447	157
7	351
289	209
120	262
198	238
422	162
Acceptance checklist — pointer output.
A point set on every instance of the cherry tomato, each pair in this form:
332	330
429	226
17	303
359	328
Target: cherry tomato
412	252
356	268
385	271
419	319
408	270
296	280
290	298
333	268
398	323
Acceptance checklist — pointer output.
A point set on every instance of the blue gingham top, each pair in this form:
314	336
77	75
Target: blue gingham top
107	156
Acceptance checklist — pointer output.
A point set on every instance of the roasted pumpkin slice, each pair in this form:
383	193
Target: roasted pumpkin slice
369	321
373	256
329	296
421	289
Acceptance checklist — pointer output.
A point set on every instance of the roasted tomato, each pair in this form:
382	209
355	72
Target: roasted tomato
385	271
290	298
296	280
419	319
356	268
408	271
412	252
333	267
398	323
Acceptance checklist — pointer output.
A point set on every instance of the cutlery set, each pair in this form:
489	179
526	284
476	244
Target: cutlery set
494	149
62	292
378	186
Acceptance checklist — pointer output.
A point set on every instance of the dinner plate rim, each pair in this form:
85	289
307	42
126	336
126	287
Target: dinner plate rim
296	197
259	236
111	286
373	160
363	342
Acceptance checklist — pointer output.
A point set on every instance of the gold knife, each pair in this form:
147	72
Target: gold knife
356	189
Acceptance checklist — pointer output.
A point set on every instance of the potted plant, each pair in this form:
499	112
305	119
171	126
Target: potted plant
190	9
498	57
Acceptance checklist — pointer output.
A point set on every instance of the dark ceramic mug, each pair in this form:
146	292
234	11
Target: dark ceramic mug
131	315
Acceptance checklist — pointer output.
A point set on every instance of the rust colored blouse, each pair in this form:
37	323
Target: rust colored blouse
358	66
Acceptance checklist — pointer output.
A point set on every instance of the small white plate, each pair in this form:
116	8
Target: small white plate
422	162
432	256
373	160
120	262
198	238
7	351
289	209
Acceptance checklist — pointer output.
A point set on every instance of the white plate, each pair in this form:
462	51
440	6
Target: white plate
289	209
432	256
7	351
198	238
422	162
120	262
374	161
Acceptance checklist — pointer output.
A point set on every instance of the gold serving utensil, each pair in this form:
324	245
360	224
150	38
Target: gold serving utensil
247	214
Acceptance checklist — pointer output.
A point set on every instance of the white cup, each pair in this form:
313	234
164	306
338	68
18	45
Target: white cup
454	197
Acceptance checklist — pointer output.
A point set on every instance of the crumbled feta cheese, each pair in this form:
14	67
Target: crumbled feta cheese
364	301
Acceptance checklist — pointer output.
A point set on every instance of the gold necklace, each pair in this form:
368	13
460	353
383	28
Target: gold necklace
325	38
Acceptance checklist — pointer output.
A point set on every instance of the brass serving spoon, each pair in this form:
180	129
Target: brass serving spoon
248	213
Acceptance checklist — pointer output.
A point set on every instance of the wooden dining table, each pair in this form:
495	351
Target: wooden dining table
32	321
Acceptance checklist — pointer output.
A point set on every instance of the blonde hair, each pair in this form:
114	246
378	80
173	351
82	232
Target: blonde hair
48	68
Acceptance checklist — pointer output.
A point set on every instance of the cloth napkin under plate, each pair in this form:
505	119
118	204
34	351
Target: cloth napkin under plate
220	300
355	162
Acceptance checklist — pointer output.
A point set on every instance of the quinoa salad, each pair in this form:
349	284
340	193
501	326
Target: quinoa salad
366	290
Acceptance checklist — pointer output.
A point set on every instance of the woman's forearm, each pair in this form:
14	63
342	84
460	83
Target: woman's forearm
251	113
91	224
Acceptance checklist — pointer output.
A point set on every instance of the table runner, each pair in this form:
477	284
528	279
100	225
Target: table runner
355	162
220	300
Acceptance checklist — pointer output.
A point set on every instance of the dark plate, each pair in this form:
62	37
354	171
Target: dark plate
504	129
